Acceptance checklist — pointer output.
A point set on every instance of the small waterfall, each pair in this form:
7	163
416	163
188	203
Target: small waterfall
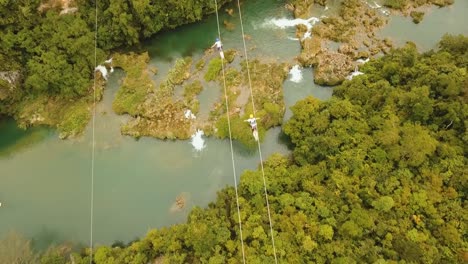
198	142
103	71
356	72
362	61
189	115
296	74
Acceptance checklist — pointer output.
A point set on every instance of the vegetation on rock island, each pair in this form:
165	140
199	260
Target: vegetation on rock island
160	112
267	91
407	4
377	175
156	111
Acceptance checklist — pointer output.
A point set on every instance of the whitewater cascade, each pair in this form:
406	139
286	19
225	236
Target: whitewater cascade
356	72
103	71
285	22
296	74
362	61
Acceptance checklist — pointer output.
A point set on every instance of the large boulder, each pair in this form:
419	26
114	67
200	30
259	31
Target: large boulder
332	68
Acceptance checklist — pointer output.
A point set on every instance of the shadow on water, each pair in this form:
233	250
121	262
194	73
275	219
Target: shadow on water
14	139
186	40
47	237
122	244
243	150
285	140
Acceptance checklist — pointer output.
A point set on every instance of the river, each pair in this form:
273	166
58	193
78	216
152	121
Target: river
45	186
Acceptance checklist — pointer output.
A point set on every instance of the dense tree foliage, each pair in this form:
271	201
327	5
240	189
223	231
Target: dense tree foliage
54	50
54	53
377	175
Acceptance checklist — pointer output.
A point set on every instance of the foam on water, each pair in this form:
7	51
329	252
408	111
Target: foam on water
286	22
296	74
198	142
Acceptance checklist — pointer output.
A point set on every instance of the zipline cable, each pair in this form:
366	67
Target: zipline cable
230	139
93	137
258	141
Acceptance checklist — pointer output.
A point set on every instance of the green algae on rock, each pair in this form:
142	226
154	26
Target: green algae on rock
156	113
136	84
417	16
267	81
214	68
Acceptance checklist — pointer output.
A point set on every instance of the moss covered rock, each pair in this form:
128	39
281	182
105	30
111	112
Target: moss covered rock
417	16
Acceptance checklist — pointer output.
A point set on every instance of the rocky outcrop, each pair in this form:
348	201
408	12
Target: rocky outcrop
353	29
332	68
12	77
310	48
9	81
